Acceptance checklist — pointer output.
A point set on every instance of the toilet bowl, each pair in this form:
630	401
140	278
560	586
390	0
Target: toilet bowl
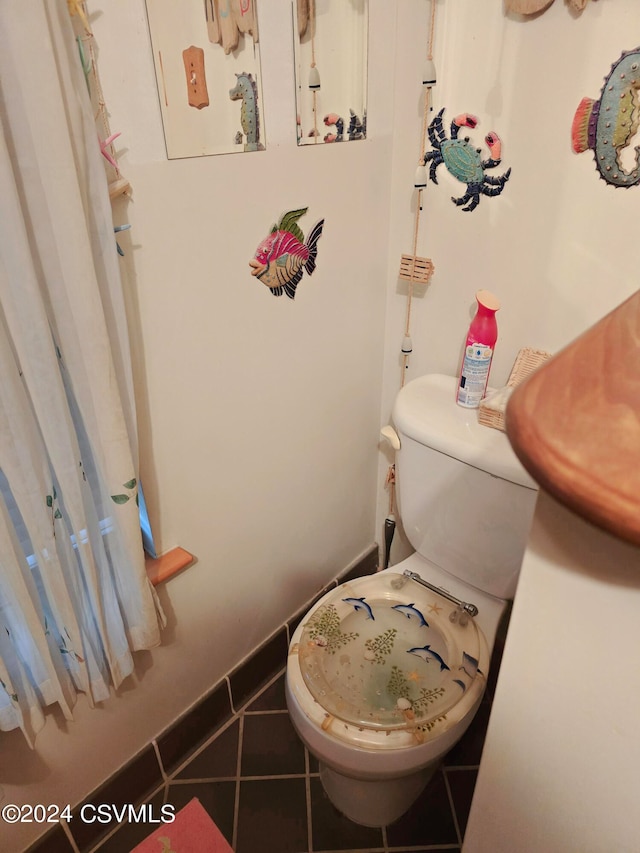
386	672
383	678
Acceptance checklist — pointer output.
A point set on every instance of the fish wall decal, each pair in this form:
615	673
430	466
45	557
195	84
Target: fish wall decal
283	256
607	126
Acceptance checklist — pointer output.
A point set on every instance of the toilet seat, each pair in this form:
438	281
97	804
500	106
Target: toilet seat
380	663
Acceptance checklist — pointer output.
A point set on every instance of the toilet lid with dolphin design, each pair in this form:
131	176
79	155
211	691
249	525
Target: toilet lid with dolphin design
388	655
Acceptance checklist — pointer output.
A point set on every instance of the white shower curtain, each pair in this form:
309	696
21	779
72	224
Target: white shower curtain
74	597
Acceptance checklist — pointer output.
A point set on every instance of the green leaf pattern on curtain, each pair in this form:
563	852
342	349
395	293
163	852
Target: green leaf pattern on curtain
131	486
75	600
55	510
12	696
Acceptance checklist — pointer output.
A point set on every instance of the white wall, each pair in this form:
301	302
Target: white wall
560	770
559	246
258	416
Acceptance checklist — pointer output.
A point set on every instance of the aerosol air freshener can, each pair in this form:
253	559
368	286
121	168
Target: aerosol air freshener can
478	351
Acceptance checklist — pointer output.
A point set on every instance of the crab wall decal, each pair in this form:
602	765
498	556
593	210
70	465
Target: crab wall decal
464	161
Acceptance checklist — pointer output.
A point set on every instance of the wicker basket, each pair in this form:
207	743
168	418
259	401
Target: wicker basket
491	411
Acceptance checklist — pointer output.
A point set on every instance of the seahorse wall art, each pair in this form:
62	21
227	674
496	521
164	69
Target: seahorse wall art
247	91
608	125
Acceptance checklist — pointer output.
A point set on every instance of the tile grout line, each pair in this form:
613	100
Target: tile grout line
156	748
267	712
454	768
307	793
227	681
368	850
67	831
243	708
236	801
235	715
96	848
452	807
205	780
162	786
308	775
169	777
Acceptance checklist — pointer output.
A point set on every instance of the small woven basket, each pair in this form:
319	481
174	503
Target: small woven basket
491	411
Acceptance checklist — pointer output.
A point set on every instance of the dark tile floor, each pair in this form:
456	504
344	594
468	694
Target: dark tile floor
237	752
261	787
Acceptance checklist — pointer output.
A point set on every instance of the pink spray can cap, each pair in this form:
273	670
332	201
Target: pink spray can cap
488	300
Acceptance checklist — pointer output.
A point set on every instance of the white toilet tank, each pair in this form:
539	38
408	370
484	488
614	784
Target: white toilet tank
465	501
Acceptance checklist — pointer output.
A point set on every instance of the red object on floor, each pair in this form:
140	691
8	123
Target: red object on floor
192	831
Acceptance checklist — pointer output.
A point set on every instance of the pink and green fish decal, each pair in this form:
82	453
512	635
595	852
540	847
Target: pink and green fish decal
282	257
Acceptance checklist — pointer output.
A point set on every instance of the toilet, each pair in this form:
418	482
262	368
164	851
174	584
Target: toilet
386	672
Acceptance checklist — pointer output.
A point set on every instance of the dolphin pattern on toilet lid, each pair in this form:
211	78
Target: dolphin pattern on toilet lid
383	654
